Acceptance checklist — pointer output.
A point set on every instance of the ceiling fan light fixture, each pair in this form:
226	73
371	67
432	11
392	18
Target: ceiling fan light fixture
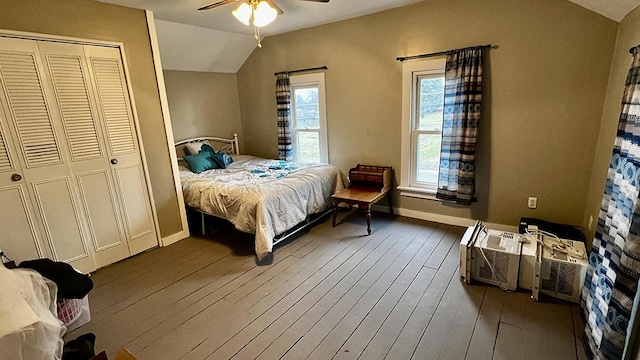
263	14
243	13
259	12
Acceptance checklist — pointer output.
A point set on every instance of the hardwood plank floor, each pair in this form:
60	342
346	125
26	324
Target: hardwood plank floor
330	293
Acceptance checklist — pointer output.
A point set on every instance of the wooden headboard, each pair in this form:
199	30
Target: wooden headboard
229	146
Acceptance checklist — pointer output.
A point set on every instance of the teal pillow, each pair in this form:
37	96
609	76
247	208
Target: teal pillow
207	148
200	162
222	159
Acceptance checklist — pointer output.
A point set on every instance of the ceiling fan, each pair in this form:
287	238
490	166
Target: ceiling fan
258	12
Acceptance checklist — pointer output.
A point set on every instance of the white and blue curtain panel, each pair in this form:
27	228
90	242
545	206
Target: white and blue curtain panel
614	262
462	105
283	105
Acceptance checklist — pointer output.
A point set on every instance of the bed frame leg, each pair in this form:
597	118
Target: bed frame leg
266	260
202	224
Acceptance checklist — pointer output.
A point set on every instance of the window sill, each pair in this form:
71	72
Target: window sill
417	193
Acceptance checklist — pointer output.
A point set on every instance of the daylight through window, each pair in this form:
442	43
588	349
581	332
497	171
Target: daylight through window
308	120
423	99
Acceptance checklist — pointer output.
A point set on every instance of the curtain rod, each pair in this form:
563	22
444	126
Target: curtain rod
634	49
301	70
403	58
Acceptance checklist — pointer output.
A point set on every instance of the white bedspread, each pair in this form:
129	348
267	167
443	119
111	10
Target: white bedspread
263	197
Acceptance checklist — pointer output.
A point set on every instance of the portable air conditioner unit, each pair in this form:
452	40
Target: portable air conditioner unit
561	269
490	256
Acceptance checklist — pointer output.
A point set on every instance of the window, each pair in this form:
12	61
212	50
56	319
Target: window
422	112
308	118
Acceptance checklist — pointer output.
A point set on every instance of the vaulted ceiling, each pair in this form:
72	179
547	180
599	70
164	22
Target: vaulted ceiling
614	10
214	41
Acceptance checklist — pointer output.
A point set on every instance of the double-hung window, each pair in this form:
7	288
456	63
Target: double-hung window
422	115
308	118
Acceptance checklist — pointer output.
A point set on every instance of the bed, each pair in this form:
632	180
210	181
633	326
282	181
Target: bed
264	197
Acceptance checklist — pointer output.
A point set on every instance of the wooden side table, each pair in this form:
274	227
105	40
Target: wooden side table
369	184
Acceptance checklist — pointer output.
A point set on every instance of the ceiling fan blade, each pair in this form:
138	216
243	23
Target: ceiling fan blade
215	5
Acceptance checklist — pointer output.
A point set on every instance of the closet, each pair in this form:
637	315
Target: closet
72	183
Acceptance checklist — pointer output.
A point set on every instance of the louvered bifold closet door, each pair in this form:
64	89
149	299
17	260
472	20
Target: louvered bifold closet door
34	126
116	116
27	104
67	71
19	237
5	161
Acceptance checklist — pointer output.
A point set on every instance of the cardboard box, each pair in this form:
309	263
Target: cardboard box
122	354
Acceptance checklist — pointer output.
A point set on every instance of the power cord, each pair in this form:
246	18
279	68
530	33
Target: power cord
493	271
557	244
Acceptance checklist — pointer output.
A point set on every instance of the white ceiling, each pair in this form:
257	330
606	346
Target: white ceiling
613	9
298	14
214	41
193	48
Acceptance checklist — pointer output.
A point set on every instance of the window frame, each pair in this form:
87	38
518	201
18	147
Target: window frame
411	72
309	81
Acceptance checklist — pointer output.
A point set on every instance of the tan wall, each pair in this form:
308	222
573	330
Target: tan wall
544	92
93	20
203	103
628	37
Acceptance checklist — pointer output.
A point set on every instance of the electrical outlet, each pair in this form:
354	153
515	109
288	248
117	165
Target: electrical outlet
532	203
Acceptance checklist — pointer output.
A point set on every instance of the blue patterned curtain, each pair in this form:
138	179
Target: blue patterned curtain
283	104
614	262
462	102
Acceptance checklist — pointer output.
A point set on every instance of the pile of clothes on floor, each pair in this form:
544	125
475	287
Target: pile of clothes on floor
38	300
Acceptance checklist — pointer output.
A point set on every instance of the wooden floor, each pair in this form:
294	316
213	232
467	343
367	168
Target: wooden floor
330	293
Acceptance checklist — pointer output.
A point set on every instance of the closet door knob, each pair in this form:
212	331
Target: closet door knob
114	161
16	177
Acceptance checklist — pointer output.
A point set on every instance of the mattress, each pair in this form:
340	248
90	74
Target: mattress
263	197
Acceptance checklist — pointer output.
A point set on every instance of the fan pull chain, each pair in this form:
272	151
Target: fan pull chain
257	36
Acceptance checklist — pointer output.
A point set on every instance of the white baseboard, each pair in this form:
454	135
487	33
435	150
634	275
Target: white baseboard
443	219
174	238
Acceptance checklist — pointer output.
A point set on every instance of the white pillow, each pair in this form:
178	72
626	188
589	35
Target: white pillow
193	148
